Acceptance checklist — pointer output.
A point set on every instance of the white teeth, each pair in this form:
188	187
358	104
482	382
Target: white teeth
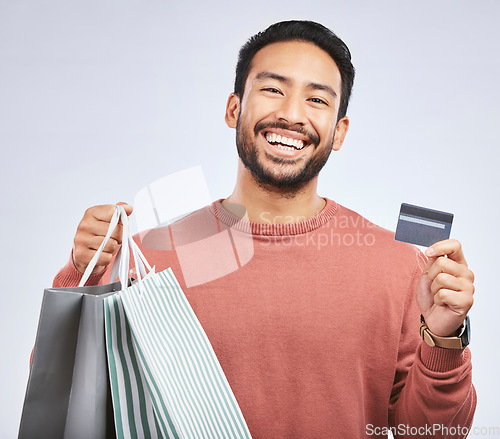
282	140
286	148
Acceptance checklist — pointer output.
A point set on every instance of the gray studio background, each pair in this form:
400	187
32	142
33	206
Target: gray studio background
99	99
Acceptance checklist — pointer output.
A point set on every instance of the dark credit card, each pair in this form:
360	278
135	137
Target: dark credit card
422	226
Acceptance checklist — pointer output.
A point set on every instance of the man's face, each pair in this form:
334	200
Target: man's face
286	121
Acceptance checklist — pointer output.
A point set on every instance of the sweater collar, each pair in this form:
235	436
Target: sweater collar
270	229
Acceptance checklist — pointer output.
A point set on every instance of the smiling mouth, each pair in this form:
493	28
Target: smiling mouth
285	143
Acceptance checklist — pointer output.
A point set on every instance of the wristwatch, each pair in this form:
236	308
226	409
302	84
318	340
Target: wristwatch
459	341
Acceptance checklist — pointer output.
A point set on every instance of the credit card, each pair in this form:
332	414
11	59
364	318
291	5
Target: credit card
422	226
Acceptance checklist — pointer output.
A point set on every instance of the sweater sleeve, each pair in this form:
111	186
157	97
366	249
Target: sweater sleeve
69	276
432	395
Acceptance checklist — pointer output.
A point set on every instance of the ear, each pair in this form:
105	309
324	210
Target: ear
340	132
232	110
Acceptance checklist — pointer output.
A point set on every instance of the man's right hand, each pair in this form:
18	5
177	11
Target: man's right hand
90	234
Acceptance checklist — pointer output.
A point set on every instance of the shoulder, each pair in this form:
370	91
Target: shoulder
188	228
378	242
178	245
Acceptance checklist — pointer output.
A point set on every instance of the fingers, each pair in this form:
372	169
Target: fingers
94	242
447	265
100	213
96	221
82	255
450	248
90	234
450	282
454	300
128	209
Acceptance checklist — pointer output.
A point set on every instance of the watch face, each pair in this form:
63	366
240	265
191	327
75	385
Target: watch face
466	334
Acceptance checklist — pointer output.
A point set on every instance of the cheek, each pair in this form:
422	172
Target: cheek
333	130
326	129
258	108
246	114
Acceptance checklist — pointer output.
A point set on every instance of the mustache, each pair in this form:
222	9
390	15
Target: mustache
312	137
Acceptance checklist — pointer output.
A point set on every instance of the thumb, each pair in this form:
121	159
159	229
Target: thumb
428	265
128	209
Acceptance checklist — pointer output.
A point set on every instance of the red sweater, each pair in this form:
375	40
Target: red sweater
315	323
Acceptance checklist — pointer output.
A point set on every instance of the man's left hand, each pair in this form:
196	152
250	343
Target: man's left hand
445	290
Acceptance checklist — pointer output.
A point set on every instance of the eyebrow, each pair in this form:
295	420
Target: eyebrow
271	75
327	88
288	81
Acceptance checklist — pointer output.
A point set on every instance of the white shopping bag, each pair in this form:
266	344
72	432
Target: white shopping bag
165	378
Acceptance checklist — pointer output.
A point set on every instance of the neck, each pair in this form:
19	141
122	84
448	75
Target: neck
272	205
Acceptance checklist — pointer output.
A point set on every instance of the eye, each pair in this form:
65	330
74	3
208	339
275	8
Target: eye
272	90
319	101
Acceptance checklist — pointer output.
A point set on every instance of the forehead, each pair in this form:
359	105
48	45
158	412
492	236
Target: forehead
304	62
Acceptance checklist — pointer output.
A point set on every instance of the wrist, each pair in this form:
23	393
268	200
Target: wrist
458	340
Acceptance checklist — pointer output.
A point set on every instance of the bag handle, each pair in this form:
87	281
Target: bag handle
121	265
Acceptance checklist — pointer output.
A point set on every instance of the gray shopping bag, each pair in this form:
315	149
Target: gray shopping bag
68	394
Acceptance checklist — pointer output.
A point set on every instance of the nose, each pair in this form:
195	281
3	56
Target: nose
292	110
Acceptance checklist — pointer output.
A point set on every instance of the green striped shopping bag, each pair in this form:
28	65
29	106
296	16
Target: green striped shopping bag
165	378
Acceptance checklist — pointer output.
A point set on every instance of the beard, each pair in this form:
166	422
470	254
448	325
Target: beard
287	175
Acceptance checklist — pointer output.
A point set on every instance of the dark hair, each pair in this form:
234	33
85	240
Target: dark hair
295	30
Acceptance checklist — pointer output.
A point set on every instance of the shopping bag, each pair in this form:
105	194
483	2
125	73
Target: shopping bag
68	394
133	410
165	361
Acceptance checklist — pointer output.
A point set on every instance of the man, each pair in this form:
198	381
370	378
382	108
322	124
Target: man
317	332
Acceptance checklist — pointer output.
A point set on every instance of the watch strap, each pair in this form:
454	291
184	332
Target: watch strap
453	342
